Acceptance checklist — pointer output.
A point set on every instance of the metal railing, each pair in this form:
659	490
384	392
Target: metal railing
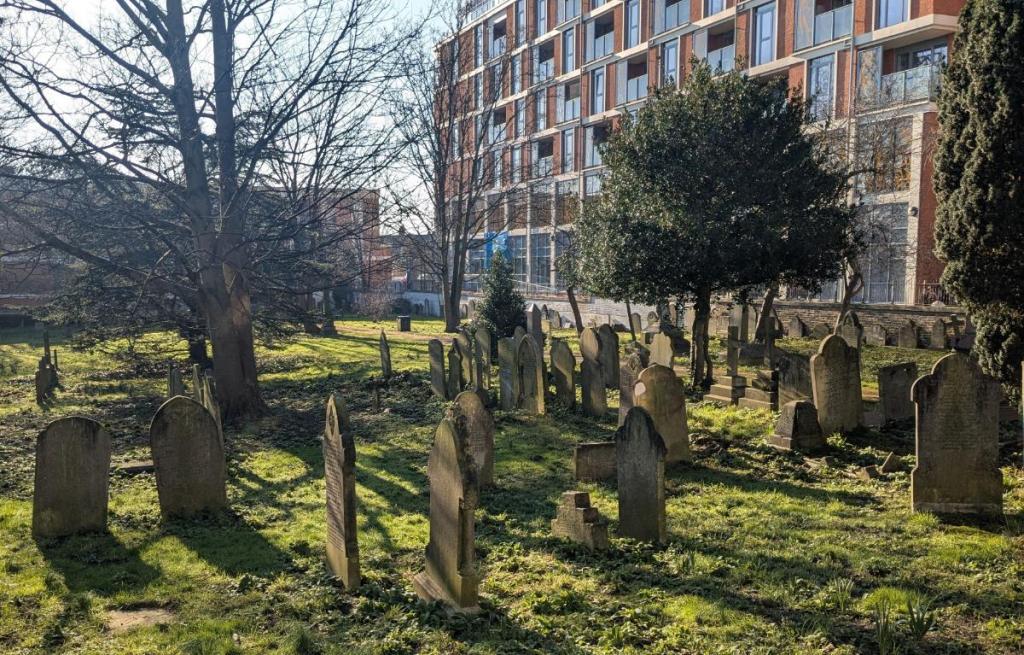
932	292
912	85
479	8
833	24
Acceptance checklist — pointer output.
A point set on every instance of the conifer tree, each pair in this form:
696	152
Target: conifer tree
503	307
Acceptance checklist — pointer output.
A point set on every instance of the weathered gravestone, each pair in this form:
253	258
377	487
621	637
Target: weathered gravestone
71	478
471	310
385	355
957	469
339	450
907	336
465	346
609	354
533	325
470	410
530	371
876	335
852	331
451	575
794	375
482	356
595	398
188	455
640	469
660	393
438	384
563	371
508	377
937	335
835	381
636	324
211	404
894	385
44	382
518	333
555	318
820	331
175	385
455	380
197	383
798	428
402	323
796	328
629	372
661	350
594	461
579	522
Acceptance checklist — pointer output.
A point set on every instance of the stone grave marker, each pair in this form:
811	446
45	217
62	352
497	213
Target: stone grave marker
531	376
907	336
455	368
876	335
660	393
508	377
595	461
519	333
482	355
438	383
894	384
385	356
796	328
852	331
595	398
175	385
609	353
661	350
835	382
640	470
465	345
957	470
937	335
197	383
798	428
451	575
339	450
43	382
636	323
629	373
821	331
211	404
71	478
188	456
579	522
403	323
479	423
563	370
533	325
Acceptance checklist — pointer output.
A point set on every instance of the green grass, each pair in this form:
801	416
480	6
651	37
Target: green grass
765	554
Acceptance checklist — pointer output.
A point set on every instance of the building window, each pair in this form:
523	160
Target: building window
597	91
521	117
568	9
600	36
712	7
676	13
568	150
632	23
517	164
669	63
569	50
498	39
494	83
595	137
884	265
543	156
541	205
820	72
544	61
516	72
542	16
520	22
592	184
517	256
566	200
764	34
541	109
884	151
478	50
891	12
497	165
478	92
540	258
569	108
635	79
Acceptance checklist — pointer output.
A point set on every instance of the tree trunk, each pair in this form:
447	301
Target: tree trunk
197	348
576	316
854	283
629	321
701	371
766	311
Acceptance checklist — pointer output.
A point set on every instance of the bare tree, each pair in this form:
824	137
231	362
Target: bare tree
207	105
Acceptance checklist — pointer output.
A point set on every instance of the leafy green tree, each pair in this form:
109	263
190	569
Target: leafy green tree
979	180
713	188
502	307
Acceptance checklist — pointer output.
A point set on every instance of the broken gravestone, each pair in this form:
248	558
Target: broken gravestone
640	469
629	373
71	478
339	451
578	522
455	380
188	456
385	356
798	428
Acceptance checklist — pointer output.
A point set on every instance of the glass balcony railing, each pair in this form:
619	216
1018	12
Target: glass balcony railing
479	8
834	24
545	70
636	88
543	167
498	47
601	46
723	59
912	85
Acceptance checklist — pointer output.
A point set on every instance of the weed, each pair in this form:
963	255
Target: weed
839	593
885	632
920	617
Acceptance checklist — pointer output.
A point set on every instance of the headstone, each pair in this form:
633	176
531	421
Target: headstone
438	384
451	574
455	380
937	337
519	333
595	398
482	356
404	323
835	381
578	522
852	331
593	462
508	377
43	382
609	353
733	345
640	470
465	345
821	331
636	323
661	350
796	329
533	325
907	336
175	385
471	310
385	356
563	371
531	377
556	319
188	455
892	463
876	335
869	473
470	409
798	428
957	469
894	384
197	383
211	404
660	393
739	316
653	320
71	478
794	376
339	450
629	372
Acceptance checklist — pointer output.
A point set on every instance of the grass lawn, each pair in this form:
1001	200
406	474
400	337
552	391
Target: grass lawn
766	554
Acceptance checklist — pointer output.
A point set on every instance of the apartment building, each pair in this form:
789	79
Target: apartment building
870	70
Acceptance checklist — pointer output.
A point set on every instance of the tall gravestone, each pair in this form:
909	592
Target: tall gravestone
451	575
71	478
636	324
907	336
660	393
796	329
530	370
455	380
640	470
609	353
197	383
629	372
438	383
480	433
482	355
508	378
339	450
661	350
595	398
465	345
210	403
175	385
835	382
533	324
385	356
937	336
563	371
894	385
188	455
957	471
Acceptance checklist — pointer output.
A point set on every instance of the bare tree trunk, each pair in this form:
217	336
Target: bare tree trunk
701	370
766	311
853	286
450	308
576	316
629	321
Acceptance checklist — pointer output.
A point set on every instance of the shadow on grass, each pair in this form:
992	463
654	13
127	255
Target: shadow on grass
684	473
227	542
97	563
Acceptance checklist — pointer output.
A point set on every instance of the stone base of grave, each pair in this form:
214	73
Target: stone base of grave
976	492
429	591
345	569
592	462
579	522
729	392
762	393
795	443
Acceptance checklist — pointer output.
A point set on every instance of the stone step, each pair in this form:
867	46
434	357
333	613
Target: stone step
722	399
726	391
760	395
750	403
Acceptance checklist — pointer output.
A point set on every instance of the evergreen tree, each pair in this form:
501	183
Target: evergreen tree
979	180
503	307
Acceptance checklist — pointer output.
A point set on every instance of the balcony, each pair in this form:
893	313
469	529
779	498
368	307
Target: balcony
636	88
912	85
723	59
831	25
498	47
478	9
601	46
543	167
545	70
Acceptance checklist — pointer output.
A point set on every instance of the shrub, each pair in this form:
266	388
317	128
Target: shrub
503	307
